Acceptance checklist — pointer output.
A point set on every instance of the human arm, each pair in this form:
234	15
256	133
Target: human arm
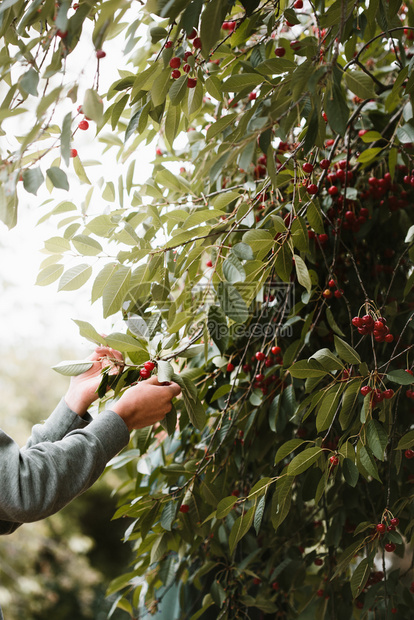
40	479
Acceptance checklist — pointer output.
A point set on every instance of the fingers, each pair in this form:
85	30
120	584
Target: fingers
174	388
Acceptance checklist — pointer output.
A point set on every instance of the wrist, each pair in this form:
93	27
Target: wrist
76	403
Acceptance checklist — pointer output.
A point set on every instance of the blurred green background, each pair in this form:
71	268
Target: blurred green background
58	568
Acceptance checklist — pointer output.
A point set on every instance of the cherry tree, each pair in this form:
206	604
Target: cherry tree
265	265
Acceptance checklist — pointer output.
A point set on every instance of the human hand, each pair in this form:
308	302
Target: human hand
145	403
82	389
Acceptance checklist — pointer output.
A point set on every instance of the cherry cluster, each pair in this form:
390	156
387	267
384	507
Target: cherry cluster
368	325
377	395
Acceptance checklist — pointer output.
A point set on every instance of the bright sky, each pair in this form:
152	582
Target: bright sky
38	315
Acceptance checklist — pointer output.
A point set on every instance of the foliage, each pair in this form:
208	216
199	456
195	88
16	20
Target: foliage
279	209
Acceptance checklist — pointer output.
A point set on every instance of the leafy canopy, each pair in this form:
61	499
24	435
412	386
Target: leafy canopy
266	266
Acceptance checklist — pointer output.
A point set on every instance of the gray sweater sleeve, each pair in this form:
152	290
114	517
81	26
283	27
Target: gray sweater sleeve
63	457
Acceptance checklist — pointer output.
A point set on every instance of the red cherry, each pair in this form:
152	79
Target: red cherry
409	454
318	562
295	45
362	132
312	189
197	43
327	293
365	390
168	44
307	167
357	321
395	521
62	34
192	34
409	371
298	4
260	377
209	263
184	508
276	350
333	190
381	528
256	581
149	366
252	96
331	283
320	593
73	153
260	356
84	125
389	338
390	547
246	368
275	585
175	74
100	54
187	55
388	393
230	367
280	52
175	62
324	164
338	293
144	373
323	238
334	460
191	83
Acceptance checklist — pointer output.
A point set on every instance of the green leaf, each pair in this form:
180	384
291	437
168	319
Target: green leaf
213	87
314	218
49	274
243	251
332	323
368	155
225	506
350	472
336	109
301	462
72	368
58	177
377	438
32	180
80	171
327	408
65	138
258	515
235	83
406	441
240	528
360	577
302	273
217	327
402	377
365	458
164	371
92	106
75	277
115	290
178	89
287	449
86	330
233	269
29	82
360	84
307	369
232	303
86	245
169	422
123	342
346	352
211	22
168	515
